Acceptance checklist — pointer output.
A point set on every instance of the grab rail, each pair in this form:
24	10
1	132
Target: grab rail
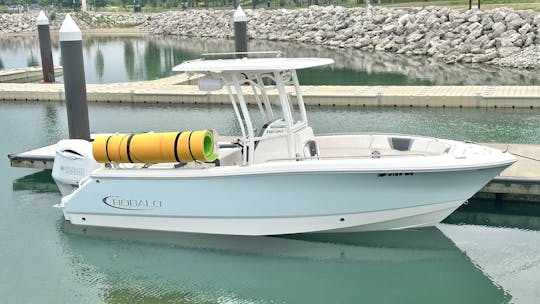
343	157
277	53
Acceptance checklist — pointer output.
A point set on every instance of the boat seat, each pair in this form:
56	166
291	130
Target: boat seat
429	146
380	142
400	143
436	147
263	129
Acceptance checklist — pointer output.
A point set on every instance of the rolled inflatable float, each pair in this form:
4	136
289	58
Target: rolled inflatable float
167	147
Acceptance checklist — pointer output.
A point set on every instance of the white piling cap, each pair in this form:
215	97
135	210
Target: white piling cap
239	15
42	19
69	31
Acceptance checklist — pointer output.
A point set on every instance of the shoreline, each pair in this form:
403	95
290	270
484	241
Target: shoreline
110	31
500	37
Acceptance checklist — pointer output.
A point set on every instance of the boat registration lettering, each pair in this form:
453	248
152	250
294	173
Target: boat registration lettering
131	204
395	174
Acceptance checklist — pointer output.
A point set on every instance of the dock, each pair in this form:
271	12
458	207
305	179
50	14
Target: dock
521	181
25	75
182	88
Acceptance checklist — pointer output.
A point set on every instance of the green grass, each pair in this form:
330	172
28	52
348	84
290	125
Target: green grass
484	5
458	4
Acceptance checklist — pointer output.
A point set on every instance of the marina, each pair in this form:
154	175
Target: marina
475	256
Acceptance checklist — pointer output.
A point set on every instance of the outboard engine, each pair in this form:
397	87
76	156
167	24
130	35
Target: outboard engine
73	162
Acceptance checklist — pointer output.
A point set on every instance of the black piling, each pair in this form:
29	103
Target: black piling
240	33
74	80
45	47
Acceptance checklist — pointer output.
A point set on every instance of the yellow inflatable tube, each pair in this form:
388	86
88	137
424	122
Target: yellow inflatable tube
167	147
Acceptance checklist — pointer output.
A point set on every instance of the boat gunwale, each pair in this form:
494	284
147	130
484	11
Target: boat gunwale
264	169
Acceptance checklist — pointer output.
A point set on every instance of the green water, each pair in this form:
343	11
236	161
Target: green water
47	260
478	125
118	59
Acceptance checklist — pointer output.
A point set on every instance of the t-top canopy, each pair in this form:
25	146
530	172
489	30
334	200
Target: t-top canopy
251	64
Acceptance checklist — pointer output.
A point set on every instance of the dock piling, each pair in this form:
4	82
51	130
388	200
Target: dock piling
240	32
74	80
44	36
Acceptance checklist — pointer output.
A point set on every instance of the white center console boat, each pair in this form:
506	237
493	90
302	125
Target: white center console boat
279	178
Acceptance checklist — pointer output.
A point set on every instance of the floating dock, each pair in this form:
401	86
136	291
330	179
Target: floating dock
521	181
26	74
183	89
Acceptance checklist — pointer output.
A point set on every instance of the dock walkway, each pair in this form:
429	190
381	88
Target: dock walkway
26	74
183	89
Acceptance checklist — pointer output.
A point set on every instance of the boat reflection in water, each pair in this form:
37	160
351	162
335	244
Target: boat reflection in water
409	266
510	214
38	182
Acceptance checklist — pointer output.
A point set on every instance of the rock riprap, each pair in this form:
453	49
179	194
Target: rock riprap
502	36
26	22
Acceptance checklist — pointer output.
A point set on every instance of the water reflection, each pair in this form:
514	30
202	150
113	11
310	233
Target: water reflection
99	62
368	68
149	57
38	182
413	266
511	214
508	256
152	60
32	60
51	123
129	60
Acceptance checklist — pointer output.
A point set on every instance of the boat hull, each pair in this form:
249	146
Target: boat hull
271	204
421	216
